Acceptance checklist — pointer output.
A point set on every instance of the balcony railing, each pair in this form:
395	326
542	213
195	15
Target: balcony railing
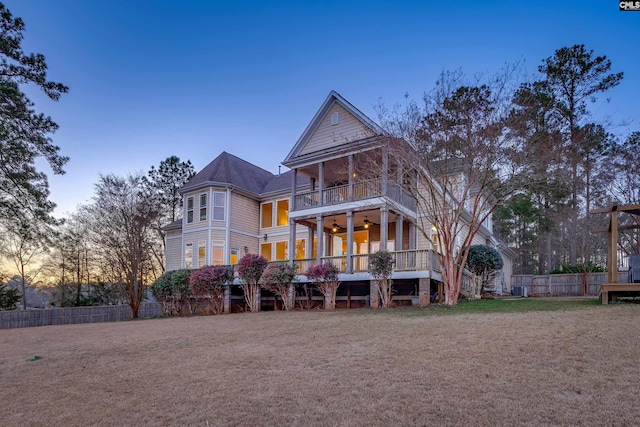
359	191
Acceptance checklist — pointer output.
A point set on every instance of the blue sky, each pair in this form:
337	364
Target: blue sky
151	79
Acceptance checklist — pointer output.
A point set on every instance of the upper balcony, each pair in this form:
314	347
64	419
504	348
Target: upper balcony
353	192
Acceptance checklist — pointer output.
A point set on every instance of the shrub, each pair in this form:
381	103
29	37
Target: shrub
161	291
209	283
485	262
250	269
278	279
325	278
180	290
381	267
8	297
172	291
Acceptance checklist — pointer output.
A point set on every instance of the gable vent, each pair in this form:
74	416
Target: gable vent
334	118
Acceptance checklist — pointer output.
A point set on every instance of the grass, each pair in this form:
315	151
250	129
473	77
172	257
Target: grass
501	306
489	363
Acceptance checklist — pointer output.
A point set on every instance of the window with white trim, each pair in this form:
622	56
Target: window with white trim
188	256
219	205
203	207
265	250
282	216
282	250
217	252
266	215
202	254
189	210
235	256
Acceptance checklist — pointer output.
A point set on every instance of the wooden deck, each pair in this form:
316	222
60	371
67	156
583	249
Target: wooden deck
612	291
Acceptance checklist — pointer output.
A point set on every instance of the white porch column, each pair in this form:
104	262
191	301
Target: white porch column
349	242
399	229
319	234
294	187
412	236
292	241
385	170
384	227
320	183
309	249
351	172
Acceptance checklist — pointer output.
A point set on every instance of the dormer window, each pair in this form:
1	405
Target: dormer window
335	118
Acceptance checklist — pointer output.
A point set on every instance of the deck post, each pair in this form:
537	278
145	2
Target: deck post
374	297
613	248
424	292
227	300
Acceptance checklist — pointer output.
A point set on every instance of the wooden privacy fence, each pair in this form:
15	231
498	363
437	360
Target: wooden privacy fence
563	284
74	315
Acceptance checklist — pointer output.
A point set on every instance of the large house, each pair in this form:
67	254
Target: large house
321	210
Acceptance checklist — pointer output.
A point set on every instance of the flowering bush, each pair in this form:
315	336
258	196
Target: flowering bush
250	269
325	278
278	278
208	283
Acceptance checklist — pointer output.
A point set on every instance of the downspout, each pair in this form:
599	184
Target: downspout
209	250
227	238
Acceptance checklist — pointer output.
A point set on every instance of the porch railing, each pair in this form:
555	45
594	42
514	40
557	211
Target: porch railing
409	260
360	191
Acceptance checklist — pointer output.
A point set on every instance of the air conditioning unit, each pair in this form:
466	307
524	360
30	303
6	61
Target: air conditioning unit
519	291
634	268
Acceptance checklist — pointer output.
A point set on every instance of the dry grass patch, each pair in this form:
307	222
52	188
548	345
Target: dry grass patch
573	367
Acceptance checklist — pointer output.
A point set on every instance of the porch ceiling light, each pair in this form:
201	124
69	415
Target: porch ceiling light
366	223
335	227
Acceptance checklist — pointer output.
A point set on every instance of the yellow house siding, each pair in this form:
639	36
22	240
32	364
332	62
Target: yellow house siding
245	213
327	135
240	241
173	260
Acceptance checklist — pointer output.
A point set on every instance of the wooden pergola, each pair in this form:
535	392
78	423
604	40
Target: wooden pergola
612	289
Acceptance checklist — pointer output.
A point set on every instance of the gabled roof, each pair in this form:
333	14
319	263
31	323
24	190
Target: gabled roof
227	169
333	98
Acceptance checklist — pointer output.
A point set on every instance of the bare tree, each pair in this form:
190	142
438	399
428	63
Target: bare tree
24	248
120	222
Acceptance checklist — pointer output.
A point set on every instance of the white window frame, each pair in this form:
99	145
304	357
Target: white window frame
189	206
217	244
202	244
188	260
262	212
203	207
219	210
